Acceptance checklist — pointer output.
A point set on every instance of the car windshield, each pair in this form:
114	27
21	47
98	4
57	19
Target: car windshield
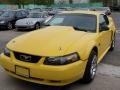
8	14
81	22
35	15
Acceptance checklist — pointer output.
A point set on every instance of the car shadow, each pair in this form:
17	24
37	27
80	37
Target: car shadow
32	86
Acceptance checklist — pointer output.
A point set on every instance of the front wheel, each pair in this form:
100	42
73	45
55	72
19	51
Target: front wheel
10	26
37	26
91	68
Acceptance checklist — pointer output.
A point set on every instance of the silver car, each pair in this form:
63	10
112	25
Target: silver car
33	21
105	10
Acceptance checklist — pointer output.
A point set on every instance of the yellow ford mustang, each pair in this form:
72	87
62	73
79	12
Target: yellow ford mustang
67	50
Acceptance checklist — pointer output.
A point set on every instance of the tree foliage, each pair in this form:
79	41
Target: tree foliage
96	1
21	3
43	2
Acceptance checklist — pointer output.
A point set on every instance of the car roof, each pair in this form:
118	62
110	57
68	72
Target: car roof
82	12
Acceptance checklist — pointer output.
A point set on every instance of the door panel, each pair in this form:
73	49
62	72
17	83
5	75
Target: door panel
104	38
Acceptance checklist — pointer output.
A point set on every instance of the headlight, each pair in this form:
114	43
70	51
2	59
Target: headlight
30	23
62	60
7	52
2	21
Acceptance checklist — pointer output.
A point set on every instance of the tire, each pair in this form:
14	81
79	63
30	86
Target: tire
9	26
112	44
91	68
37	26
16	29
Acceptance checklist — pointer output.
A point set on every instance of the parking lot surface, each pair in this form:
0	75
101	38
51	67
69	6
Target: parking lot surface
107	78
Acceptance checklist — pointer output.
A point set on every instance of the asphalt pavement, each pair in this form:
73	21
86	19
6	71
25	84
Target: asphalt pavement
107	78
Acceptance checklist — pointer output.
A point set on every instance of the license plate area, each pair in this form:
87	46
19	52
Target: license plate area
22	71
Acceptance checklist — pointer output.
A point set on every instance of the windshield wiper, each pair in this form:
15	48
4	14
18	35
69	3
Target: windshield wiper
80	29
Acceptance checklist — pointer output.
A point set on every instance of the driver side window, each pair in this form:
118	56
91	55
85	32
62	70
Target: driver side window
103	21
19	15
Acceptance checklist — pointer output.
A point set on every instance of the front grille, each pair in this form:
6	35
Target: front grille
26	57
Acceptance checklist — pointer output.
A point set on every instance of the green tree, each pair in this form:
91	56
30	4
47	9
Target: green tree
105	2
21	3
44	2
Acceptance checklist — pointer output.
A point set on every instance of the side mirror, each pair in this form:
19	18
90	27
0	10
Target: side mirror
108	13
104	28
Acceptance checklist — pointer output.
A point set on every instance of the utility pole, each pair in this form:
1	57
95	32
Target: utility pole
34	3
18	2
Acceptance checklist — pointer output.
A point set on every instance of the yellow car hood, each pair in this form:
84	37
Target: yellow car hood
50	41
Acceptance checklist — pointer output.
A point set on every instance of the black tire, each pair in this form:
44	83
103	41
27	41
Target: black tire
37	26
112	44
9	26
91	68
16	29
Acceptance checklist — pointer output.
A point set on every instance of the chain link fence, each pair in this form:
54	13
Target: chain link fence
30	6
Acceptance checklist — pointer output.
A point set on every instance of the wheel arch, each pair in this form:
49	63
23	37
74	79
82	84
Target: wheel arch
88	77
95	49
37	23
88	50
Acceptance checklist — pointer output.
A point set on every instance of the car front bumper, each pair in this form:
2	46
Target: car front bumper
3	26
43	74
24	27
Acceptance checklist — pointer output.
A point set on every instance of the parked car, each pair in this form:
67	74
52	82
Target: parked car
36	10
47	19
25	12
1	12
33	21
65	8
9	18
115	7
47	9
105	10
69	49
82	9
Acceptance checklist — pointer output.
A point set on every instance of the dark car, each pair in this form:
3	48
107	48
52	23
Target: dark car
9	18
115	8
1	12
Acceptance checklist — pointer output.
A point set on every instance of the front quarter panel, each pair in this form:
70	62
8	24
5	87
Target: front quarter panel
112	26
86	50
84	47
